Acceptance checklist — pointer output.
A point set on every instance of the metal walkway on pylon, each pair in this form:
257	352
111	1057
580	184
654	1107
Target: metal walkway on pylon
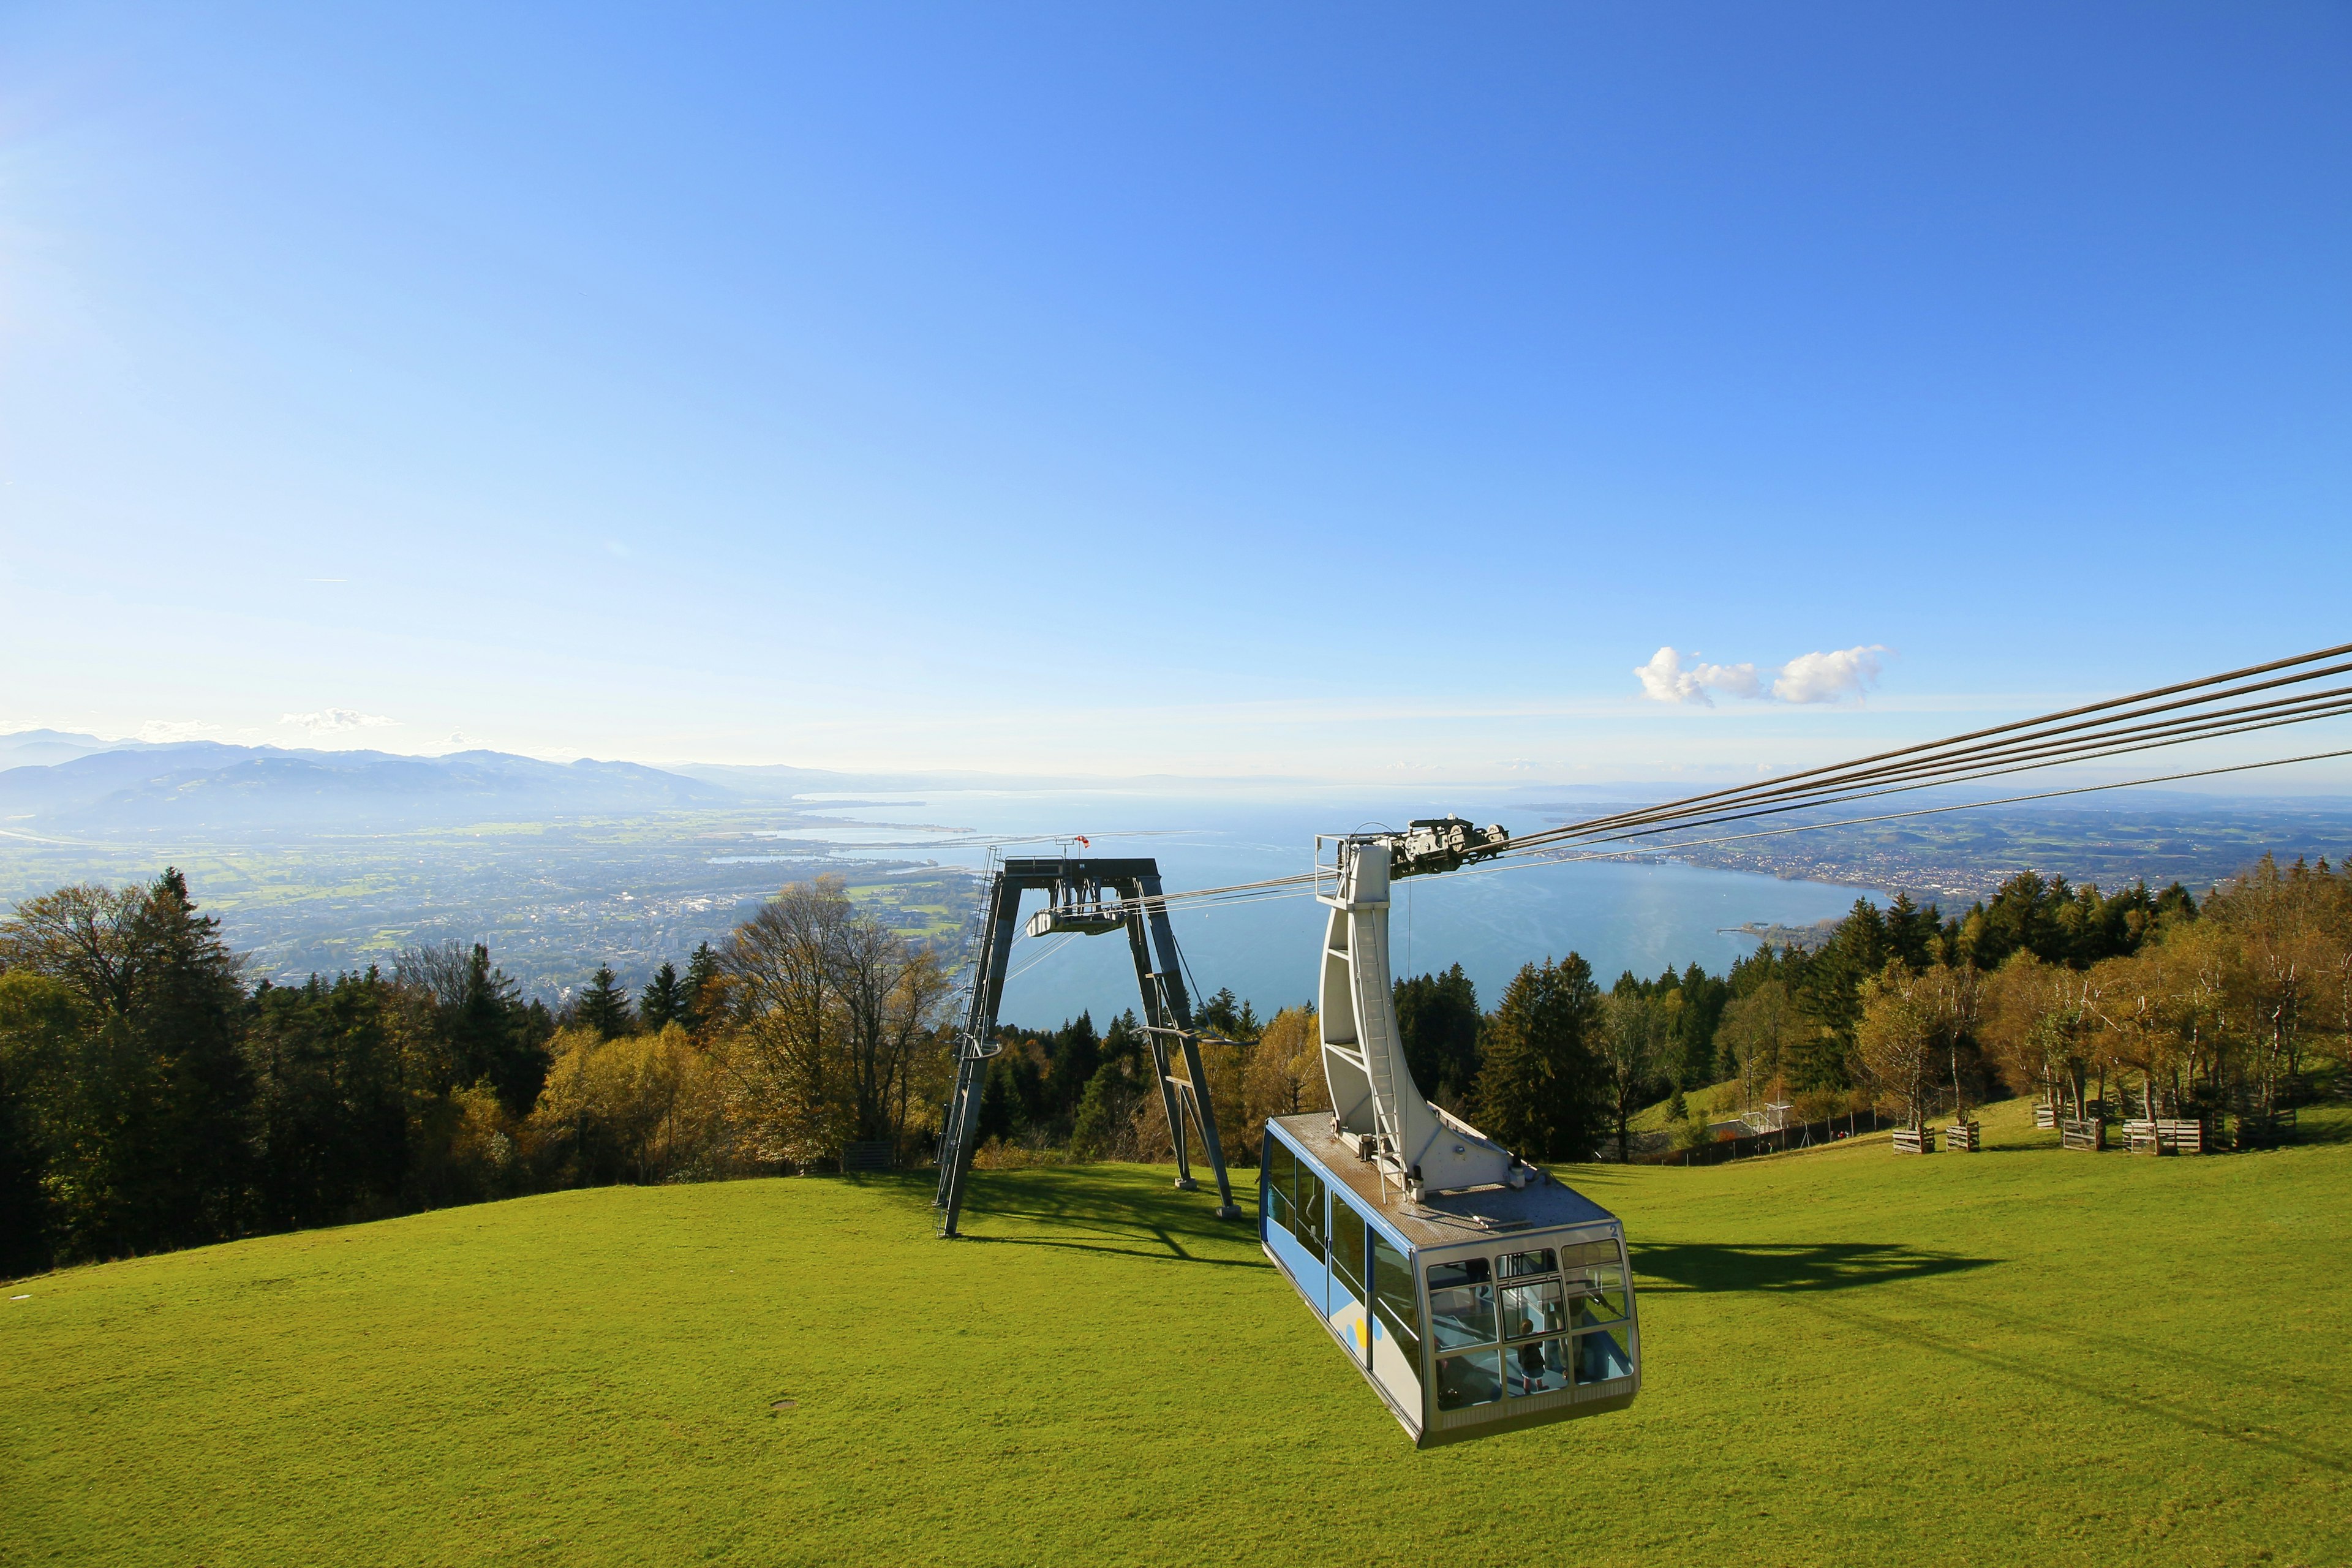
1091	896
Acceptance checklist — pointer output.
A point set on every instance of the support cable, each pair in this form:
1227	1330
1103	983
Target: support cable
1570	855
1786	780
1950	763
2164	717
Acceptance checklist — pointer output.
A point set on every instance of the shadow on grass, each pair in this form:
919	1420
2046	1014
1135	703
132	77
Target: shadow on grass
1827	1266
2155	1400
1120	1211
2322	1124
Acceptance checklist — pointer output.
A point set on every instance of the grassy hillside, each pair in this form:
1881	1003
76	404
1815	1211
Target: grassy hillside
2023	1356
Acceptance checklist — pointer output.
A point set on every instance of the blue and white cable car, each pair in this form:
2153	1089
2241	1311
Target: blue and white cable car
1472	1290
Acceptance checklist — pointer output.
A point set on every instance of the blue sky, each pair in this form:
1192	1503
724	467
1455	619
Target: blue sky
1347	392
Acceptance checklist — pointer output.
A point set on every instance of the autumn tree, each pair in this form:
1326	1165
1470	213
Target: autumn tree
2288	927
1910	1033
1284	1074
2034	1020
636	1107
1755	1034
892	995
835	1020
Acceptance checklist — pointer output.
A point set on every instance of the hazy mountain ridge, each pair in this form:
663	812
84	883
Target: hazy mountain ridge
209	784
21	748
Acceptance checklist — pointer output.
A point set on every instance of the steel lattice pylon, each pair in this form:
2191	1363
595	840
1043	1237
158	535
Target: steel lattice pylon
1092	895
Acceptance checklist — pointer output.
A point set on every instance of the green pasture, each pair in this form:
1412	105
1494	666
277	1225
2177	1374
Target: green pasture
2020	1356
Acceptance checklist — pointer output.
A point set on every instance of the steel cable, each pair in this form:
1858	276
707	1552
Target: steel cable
2127	725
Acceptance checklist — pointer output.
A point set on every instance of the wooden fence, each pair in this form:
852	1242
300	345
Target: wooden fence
2090	1133
2164	1135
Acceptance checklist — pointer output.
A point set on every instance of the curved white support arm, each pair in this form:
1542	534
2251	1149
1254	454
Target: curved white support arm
1372	1090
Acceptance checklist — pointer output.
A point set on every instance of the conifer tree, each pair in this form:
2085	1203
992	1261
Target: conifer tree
604	1007
663	1001
1437	1022
703	992
1542	1088
496	1042
1704	999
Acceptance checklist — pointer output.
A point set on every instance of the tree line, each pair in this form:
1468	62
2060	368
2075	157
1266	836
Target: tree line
2043	988
2241	1008
150	1098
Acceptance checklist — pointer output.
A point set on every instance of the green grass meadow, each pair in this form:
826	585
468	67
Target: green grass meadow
2019	1356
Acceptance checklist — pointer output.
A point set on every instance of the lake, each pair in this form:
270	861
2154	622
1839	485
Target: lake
1618	914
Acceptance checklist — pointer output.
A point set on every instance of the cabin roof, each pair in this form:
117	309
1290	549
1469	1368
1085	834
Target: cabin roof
1454	1219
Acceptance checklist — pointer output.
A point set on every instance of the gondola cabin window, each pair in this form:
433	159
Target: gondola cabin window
1536	1308
1309	1221
1462	1322
1281	1174
1347	1251
1596	1281
1394	1303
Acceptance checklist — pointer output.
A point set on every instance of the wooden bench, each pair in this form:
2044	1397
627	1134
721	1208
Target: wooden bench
1964	1138
1914	1140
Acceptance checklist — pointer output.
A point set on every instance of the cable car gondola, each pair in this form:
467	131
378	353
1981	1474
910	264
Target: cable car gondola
1474	1292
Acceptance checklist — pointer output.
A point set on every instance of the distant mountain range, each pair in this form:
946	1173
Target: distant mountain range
81	784
23	747
78	783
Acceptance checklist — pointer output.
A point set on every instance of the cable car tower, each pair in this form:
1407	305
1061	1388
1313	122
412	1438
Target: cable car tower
1092	897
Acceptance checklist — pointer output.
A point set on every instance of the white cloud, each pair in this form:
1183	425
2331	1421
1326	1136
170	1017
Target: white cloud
334	720
1839	677
1664	680
165	730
